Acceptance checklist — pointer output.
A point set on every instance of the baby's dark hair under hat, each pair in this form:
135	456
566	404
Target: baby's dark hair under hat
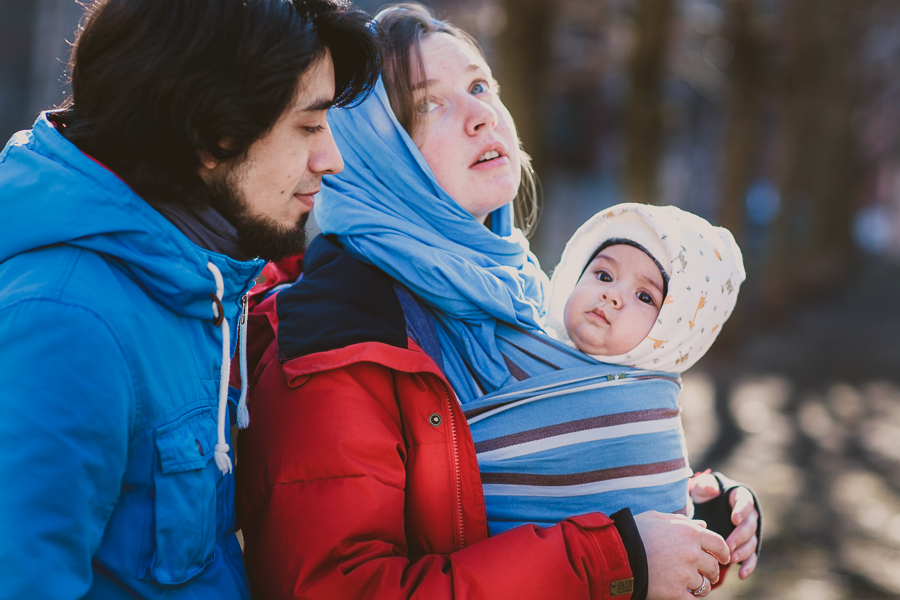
633	244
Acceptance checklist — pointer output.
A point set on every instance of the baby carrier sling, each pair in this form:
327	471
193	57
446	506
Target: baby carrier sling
570	435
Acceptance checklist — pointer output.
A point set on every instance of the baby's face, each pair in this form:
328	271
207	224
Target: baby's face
615	303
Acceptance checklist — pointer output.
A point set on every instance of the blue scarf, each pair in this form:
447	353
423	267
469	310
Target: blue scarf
387	208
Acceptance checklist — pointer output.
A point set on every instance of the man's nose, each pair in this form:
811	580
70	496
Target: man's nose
324	157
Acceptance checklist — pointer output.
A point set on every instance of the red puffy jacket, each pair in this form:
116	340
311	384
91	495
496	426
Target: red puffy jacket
357	477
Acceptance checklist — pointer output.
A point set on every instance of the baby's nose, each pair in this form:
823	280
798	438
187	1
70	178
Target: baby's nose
611	299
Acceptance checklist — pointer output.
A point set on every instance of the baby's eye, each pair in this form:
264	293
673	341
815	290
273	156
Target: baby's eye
604	276
645	298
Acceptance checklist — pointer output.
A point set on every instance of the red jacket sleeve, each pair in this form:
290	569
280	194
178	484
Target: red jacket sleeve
324	509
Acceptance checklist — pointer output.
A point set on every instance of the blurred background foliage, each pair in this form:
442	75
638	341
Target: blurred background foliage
779	119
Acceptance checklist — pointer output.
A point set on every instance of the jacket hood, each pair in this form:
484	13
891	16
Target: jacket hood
52	193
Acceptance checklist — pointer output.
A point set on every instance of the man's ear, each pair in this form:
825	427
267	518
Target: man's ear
207	161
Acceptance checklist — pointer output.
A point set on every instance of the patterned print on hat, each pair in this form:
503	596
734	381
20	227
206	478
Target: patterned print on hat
705	268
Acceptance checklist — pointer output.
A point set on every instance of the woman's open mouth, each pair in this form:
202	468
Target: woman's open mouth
490	159
489	155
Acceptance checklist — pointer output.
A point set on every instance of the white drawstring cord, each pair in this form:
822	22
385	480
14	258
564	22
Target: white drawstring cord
243	415
223	461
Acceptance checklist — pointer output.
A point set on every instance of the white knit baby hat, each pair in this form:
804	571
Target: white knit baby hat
705	271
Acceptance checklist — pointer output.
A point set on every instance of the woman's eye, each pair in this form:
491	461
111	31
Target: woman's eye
645	297
427	107
479	88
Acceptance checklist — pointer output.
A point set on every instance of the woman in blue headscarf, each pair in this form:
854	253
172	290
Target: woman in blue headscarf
358	476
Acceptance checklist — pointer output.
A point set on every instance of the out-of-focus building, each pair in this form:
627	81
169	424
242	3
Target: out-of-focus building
34	49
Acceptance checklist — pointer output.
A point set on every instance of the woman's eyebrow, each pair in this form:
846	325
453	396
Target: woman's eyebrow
428	82
423	84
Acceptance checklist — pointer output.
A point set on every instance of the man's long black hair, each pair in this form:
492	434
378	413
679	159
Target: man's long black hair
155	83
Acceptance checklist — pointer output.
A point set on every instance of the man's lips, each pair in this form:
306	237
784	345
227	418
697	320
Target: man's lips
307	198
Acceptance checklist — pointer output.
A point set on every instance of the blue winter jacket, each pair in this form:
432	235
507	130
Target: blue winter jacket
109	376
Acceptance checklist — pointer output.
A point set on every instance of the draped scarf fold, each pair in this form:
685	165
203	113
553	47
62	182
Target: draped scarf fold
386	208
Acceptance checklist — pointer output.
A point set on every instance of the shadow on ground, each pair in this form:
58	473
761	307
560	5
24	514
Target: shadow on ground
809	415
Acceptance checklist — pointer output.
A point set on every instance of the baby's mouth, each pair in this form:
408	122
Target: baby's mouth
601	315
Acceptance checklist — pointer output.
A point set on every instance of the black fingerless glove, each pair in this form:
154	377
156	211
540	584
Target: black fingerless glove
717	512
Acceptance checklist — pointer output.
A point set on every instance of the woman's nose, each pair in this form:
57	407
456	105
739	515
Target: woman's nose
481	115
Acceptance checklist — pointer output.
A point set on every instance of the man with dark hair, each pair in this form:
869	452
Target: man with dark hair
135	219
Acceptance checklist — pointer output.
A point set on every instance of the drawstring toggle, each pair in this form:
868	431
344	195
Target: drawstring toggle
218	310
223	461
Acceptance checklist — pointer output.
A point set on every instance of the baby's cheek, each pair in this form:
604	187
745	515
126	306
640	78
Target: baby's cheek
569	314
653	315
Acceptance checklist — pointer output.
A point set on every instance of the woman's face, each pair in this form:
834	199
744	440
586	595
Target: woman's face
467	136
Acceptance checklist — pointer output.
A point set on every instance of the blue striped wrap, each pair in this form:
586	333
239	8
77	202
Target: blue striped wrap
574	435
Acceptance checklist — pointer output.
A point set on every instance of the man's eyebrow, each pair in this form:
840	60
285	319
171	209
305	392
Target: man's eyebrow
319	104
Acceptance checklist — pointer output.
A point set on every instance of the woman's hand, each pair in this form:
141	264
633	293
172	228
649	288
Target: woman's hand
742	541
680	552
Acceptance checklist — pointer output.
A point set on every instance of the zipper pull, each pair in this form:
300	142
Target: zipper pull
243	416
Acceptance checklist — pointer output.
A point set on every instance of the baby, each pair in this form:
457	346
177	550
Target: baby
638	287
645	286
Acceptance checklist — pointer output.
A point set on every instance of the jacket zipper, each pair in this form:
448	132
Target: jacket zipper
461	539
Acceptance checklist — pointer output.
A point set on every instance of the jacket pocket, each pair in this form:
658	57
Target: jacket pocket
185	502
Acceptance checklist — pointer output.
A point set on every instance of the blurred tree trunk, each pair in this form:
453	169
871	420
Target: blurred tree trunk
523	49
54	30
795	124
644	108
810	241
742	137
834	186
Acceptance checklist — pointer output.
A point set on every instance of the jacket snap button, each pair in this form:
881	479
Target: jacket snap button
435	419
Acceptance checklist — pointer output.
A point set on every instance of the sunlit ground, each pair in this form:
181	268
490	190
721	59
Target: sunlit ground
826	467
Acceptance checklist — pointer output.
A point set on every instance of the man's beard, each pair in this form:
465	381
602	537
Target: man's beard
258	235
